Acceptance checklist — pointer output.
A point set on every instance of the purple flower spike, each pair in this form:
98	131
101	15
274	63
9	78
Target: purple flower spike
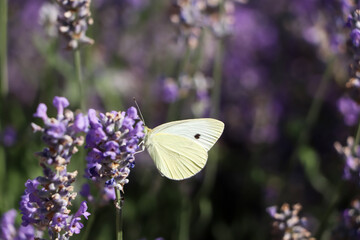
8	229
45	202
170	90
355	37
113	139
41	112
287	224
60	103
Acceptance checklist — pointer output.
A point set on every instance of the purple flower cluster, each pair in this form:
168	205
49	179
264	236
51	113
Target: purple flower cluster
190	16
112	140
349	109
8	230
287	223
8	136
74	21
349	227
48	16
350	154
199	84
47	198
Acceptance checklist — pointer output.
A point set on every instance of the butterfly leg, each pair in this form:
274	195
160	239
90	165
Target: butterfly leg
142	145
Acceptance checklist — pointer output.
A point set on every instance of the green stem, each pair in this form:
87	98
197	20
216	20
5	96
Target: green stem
217	77
89	225
357	137
119	222
173	109
3	48
336	196
3	93
79	75
331	207
211	167
184	219
312	114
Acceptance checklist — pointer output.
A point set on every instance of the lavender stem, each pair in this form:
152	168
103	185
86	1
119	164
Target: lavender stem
3	47
313	112
119	223
217	75
77	61
357	137
3	89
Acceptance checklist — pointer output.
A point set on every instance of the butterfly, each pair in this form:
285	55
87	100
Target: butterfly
180	148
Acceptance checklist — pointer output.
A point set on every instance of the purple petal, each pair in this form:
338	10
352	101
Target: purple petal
60	103
41	112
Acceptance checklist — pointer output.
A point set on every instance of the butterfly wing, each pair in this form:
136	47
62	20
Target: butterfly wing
176	157
204	131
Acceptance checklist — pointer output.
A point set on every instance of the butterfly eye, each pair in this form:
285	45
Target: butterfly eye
197	136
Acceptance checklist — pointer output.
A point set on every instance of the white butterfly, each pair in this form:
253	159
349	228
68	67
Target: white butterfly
180	148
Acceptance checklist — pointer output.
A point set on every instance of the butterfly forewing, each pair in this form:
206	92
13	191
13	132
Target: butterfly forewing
176	157
205	131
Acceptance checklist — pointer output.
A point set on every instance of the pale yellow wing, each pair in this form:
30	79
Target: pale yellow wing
204	131
176	157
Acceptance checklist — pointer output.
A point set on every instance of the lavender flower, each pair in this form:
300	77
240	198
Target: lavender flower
74	21
198	84
48	15
8	136
170	90
112	140
349	109
350	154
8	230
287	224
190	16
47	198
349	226
353	84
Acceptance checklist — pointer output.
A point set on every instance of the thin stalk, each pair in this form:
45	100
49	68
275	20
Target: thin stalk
79	75
3	92
173	109
336	196
331	207
313	113
184	219
217	77
184	63
89	225
119	221
3	48
214	154
357	137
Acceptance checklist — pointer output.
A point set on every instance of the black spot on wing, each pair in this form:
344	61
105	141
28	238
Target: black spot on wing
197	136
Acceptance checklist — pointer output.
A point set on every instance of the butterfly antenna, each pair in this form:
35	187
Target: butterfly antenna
137	106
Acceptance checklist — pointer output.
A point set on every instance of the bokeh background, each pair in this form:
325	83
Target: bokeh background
276	78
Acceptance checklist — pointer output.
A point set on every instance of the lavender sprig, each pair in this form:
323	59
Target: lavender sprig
74	21
351	155
112	140
287	224
191	16
8	230
47	198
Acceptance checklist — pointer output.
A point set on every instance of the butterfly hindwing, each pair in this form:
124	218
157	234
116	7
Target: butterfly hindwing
176	157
